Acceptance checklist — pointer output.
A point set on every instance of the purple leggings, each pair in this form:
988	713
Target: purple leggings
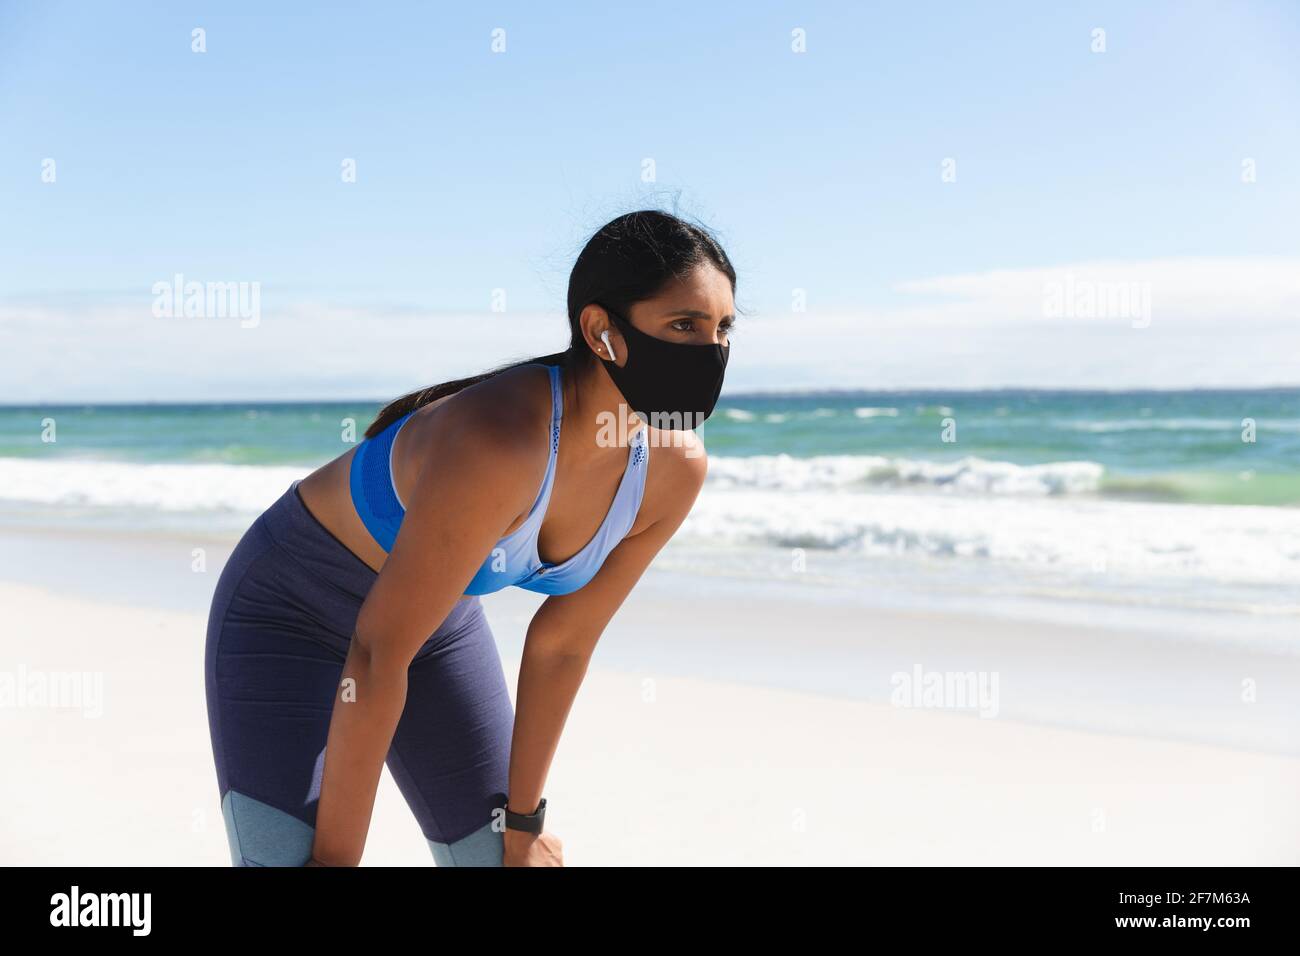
278	634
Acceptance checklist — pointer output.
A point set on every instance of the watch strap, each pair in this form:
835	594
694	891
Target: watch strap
528	822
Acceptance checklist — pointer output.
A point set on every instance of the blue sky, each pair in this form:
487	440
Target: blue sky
479	171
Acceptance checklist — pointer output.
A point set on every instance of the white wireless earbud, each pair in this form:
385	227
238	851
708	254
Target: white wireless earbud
604	337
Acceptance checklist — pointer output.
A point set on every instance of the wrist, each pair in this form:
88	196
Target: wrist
529	820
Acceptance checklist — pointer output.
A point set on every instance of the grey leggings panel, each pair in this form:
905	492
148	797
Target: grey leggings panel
278	633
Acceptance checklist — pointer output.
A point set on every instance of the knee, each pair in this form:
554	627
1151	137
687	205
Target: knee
263	835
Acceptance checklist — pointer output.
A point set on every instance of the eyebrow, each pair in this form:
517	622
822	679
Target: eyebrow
695	314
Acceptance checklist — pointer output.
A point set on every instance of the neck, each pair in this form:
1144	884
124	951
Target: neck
596	414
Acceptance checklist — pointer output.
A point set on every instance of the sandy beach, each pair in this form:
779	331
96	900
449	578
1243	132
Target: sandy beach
989	336
1099	748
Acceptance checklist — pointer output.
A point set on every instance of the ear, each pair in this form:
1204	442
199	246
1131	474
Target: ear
600	333
609	348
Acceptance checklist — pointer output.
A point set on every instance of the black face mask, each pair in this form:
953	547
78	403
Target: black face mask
677	382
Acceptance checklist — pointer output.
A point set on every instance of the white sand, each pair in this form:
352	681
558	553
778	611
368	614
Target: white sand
652	769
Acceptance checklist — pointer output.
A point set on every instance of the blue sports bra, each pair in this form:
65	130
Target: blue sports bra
514	560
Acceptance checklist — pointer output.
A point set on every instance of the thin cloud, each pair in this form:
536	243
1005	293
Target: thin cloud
1262	289
1212	322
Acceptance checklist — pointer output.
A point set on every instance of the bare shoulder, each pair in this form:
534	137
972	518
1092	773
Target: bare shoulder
679	464
507	415
497	430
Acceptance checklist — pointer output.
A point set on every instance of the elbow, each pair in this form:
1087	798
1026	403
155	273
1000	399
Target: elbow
375	660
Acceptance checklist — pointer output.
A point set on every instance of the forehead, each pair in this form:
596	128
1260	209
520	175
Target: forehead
705	289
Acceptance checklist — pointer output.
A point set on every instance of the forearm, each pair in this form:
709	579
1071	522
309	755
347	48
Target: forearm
367	706
548	684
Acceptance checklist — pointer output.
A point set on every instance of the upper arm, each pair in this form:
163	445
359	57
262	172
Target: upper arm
471	485
572	623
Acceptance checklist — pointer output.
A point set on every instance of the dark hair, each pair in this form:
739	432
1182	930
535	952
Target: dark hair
628	260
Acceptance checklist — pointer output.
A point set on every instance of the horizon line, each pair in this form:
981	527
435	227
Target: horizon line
790	392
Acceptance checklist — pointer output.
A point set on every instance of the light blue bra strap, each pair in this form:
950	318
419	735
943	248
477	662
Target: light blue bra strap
641	452
544	491
557	411
557	394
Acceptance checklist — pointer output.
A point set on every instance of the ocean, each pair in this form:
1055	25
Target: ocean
1104	506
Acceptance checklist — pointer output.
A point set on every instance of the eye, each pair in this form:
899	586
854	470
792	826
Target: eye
727	327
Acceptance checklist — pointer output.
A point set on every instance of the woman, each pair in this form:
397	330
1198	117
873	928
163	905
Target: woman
346	630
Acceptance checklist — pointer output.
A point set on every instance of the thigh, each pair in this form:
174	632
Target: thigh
450	754
270	696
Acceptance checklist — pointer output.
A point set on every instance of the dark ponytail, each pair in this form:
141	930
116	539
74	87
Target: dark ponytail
628	260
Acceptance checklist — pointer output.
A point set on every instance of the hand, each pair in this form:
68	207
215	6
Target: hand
531	849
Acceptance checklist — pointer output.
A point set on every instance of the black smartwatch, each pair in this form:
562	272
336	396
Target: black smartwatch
528	822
